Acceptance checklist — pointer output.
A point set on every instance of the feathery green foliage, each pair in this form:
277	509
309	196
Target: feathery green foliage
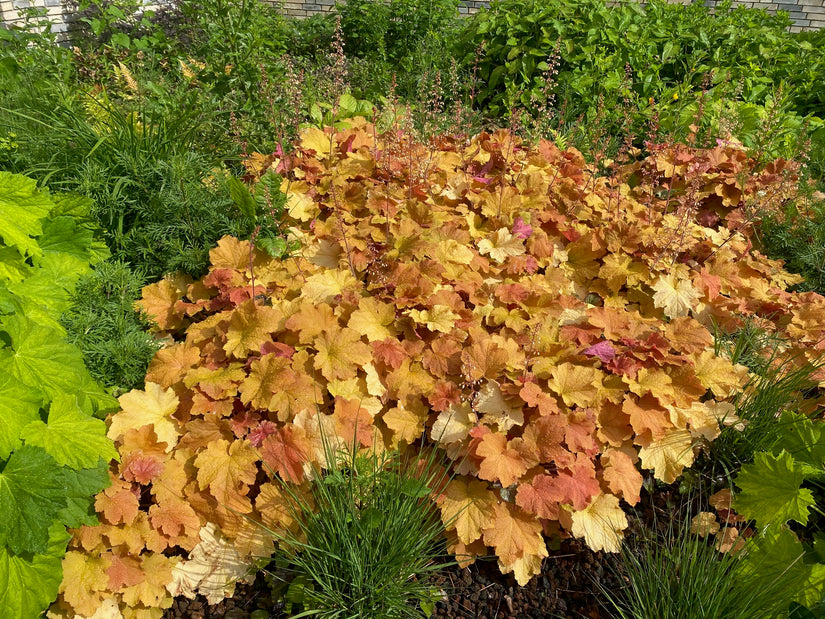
103	323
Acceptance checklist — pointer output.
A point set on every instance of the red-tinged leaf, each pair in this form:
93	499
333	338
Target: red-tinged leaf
603	350
124	572
352	422
118	503
539	497
538	398
521	229
577	484
390	353
176	519
621	475
502	460
141	469
285	452
579	433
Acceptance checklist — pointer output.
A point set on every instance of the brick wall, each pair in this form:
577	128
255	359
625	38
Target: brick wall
58	14
806	14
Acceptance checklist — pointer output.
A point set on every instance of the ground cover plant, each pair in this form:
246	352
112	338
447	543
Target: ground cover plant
547	328
53	450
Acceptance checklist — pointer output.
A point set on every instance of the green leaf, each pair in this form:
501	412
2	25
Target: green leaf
31	495
12	265
44	297
62	236
348	104
771	491
29	583
242	198
81	488
777	556
19	405
72	204
812	593
803	439
22	206
275	246
41	359
70	436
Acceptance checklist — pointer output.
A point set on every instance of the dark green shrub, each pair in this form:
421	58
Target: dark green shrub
637	70
103	324
400	39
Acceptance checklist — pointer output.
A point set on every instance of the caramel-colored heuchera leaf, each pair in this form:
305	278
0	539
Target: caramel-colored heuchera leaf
549	332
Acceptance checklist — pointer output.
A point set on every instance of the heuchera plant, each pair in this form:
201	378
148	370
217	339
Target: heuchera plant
548	328
53	451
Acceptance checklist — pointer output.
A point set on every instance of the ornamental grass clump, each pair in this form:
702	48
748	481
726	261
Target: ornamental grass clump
366	536
678	572
547	330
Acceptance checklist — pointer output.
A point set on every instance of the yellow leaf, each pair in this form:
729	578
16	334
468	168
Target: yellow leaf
655	382
374	385
466	506
514	533
301	206
373	319
340	354
668	456
152	407
315	139
453	251
523	568
152	591
601	523
439	318
719	375
577	385
84	577
227	469
407	424
324	287
501	246
496	409
675	296
250	326
454	424
323	253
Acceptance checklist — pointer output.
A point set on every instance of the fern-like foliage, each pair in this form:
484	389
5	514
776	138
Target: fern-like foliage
102	322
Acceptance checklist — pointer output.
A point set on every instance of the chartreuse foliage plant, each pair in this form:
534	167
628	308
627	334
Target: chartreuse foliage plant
550	331
54	452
